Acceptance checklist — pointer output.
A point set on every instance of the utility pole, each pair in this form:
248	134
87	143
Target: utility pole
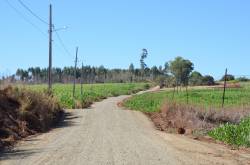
74	86
224	90
50	49
82	81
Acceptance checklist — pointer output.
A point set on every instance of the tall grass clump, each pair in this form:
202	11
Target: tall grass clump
24	112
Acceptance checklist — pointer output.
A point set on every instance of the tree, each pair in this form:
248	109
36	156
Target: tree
143	65
131	70
101	73
181	69
37	73
57	74
19	73
137	73
155	72
243	79
170	81
31	72
23	74
166	69
208	80
195	78
160	69
228	78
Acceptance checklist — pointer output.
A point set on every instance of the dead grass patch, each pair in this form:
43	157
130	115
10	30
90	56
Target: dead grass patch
24	112
187	119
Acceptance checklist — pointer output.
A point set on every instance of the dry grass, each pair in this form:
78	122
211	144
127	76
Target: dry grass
24	112
187	119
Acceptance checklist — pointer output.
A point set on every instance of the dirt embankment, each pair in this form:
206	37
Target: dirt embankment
188	119
24	113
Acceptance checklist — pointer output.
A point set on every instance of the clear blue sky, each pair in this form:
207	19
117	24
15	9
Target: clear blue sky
213	34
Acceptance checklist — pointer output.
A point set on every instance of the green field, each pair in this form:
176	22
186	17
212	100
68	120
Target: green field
91	92
205	98
233	134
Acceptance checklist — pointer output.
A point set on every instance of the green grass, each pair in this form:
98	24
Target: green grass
205	98
233	134
236	135
91	92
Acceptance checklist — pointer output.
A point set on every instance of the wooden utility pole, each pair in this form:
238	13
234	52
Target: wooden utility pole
74	86
224	90
82	80
50	50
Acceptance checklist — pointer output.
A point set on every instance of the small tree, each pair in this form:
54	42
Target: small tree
208	80
181	69
228	78
195	78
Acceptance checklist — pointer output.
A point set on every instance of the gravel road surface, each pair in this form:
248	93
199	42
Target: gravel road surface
106	134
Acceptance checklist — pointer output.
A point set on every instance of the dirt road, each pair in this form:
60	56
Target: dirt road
106	135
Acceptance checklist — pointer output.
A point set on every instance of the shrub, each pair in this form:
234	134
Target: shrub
39	110
208	80
242	79
229	77
146	86
195	78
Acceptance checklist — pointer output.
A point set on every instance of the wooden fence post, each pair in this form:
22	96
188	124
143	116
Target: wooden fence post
224	89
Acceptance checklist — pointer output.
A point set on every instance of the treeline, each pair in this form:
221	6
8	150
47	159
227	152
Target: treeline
89	74
178	72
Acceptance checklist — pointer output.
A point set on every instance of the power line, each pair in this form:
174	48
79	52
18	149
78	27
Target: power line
63	45
33	13
26	19
36	27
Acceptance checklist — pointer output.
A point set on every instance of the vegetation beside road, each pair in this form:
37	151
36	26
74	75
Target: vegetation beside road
234	134
198	109
24	112
203	113
205	98
91	92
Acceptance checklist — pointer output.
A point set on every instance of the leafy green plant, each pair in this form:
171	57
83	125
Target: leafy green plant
236	135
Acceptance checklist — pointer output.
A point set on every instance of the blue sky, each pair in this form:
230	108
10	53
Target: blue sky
213	34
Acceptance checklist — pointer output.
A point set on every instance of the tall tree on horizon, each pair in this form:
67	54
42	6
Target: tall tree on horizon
131	71
143	64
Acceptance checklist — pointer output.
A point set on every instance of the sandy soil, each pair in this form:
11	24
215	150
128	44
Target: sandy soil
106	134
